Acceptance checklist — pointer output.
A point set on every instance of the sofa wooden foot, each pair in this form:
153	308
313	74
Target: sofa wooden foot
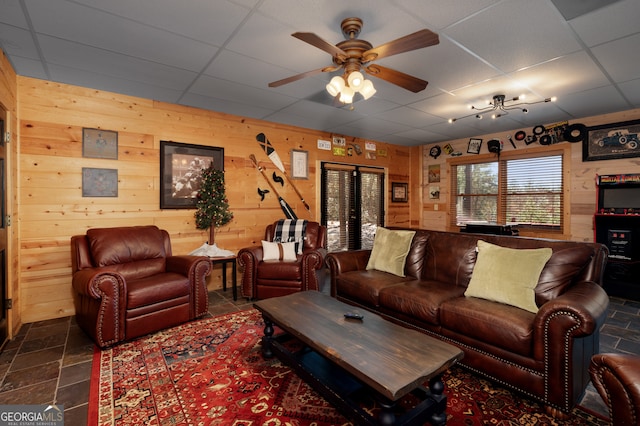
556	413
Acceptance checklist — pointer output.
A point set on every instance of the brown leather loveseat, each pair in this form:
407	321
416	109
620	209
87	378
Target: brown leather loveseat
544	355
127	283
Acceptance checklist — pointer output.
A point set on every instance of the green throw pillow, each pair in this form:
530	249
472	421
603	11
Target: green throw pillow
507	275
390	249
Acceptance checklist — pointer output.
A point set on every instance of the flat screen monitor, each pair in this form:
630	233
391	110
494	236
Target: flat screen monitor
620	198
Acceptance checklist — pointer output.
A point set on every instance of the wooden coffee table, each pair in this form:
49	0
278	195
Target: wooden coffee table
346	359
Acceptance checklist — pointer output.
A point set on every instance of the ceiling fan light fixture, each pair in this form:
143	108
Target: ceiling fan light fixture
335	86
356	80
346	96
367	90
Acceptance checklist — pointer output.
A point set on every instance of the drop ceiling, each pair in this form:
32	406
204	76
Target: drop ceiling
220	55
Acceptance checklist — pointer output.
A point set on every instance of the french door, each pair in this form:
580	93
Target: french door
352	203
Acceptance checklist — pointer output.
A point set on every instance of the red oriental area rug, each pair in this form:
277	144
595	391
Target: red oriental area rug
211	372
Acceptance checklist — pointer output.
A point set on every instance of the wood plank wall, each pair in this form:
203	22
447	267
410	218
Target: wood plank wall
52	209
582	175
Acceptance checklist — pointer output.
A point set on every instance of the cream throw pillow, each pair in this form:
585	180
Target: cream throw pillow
390	249
278	251
508	275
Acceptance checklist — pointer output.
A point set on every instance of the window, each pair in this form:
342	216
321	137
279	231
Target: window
352	205
517	189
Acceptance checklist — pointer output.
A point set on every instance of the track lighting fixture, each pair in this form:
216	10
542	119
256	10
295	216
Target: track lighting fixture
499	107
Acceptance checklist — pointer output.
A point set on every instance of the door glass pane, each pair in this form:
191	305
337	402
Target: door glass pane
336	207
371	206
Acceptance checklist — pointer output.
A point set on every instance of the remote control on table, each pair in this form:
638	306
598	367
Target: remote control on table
353	315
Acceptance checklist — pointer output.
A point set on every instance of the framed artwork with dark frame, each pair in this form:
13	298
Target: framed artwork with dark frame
399	192
611	141
99	182
474	146
98	143
181	166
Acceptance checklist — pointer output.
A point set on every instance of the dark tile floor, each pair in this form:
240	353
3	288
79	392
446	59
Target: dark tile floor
50	361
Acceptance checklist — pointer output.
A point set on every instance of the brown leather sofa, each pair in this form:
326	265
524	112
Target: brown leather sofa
264	279
127	283
543	355
617	379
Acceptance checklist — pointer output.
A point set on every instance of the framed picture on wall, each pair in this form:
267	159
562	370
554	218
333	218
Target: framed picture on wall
299	164
399	192
98	143
99	182
181	166
474	146
611	141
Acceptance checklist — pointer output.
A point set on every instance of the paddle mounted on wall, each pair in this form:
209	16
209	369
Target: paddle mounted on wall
354	54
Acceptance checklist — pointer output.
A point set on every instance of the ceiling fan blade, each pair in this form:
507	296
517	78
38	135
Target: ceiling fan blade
417	40
406	81
316	41
297	77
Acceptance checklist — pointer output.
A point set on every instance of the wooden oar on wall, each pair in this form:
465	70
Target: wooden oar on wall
286	208
275	159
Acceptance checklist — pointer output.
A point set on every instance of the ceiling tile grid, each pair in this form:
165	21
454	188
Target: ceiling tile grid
221	55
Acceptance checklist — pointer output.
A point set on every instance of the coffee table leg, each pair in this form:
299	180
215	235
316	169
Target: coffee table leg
387	416
267	352
436	388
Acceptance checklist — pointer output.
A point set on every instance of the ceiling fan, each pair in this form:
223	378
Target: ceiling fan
354	54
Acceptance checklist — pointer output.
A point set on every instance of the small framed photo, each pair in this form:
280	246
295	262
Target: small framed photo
474	146
181	166
299	164
611	141
99	182
399	192
98	143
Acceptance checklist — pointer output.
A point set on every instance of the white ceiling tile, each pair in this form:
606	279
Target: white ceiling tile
617	58
582	104
207	21
615	21
72	55
631	91
102	30
515	34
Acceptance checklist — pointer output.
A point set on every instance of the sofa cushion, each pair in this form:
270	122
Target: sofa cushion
390	249
287	271
279	251
419	299
507	275
159	288
495	323
116	246
365	286
563	267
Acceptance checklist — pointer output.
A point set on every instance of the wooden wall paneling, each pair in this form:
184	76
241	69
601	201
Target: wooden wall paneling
52	116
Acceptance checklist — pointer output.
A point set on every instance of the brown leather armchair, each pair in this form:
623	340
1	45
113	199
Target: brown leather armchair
263	279
127	283
617	379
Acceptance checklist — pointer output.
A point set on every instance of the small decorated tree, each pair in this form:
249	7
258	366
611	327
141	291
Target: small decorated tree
212	204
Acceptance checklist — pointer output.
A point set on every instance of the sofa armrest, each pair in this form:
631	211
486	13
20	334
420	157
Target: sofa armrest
108	289
617	379
346	261
248	259
197	268
312	261
579	311
565	337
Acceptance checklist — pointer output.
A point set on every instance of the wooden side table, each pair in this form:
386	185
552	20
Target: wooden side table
223	261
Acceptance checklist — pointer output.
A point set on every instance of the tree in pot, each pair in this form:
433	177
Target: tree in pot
212	204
